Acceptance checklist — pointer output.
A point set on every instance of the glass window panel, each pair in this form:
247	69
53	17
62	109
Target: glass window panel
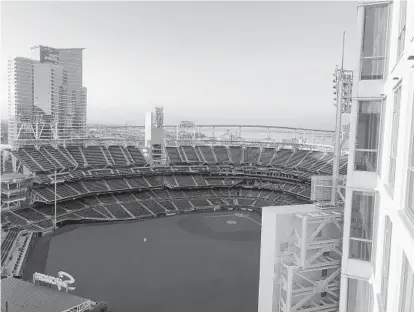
407	291
360	250
374	42
394	137
369	116
386	261
410	192
381	136
365	161
359	296
362	214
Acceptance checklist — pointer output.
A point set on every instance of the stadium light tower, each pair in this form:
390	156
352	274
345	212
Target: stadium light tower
343	97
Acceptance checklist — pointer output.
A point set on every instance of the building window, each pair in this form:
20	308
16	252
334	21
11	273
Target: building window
367	136
394	137
401	28
386	262
407	287
381	136
410	182
359	296
374	42
362	219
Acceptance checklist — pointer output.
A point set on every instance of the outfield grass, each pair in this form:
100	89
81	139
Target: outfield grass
189	263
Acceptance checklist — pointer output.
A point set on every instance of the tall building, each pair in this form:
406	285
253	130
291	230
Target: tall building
378	243
360	256
55	107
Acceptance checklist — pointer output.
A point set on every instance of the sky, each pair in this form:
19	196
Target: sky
264	63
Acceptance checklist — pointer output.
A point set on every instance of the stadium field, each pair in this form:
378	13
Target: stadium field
195	262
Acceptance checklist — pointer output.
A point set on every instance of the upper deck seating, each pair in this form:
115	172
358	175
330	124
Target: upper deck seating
61	157
76	153
190	153
137	156
51	158
237	154
221	154
173	155
118	155
297	156
266	156
64	191
94	156
27	161
40	159
251	155
281	157
207	153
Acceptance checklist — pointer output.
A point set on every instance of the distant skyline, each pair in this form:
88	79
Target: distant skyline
267	63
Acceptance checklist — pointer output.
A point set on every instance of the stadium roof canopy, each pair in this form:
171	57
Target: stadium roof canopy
23	296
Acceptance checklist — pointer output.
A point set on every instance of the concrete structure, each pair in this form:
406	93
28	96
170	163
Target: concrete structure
377	254
46	97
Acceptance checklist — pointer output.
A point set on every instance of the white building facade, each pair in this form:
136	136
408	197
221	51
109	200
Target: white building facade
378	244
377	258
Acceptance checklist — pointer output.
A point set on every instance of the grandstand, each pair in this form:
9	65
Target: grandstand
116	182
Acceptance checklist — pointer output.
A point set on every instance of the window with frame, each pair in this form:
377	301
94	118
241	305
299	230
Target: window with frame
394	138
401	28
407	287
386	262
373	56
360	296
410	173
368	135
381	136
361	228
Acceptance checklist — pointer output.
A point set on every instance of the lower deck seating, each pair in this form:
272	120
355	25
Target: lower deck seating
73	205
185	181
153	205
168	205
95	186
118	211
200	203
90	213
29	214
136	209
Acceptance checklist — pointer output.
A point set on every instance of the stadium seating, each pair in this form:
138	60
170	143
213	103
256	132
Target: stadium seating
174	155
106	199
185	181
103	211
57	154
190	154
124	197
77	155
96	186
117	155
169	205
221	154
137	182
95	157
137	156
296	157
29	214
153	206
7	244
251	155
45	224
200	181
118	211
73	205
13	218
207	154
266	156
117	184
236	154
136	209
281	157
90	213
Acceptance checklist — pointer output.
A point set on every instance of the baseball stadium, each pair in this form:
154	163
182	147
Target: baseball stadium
169	223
